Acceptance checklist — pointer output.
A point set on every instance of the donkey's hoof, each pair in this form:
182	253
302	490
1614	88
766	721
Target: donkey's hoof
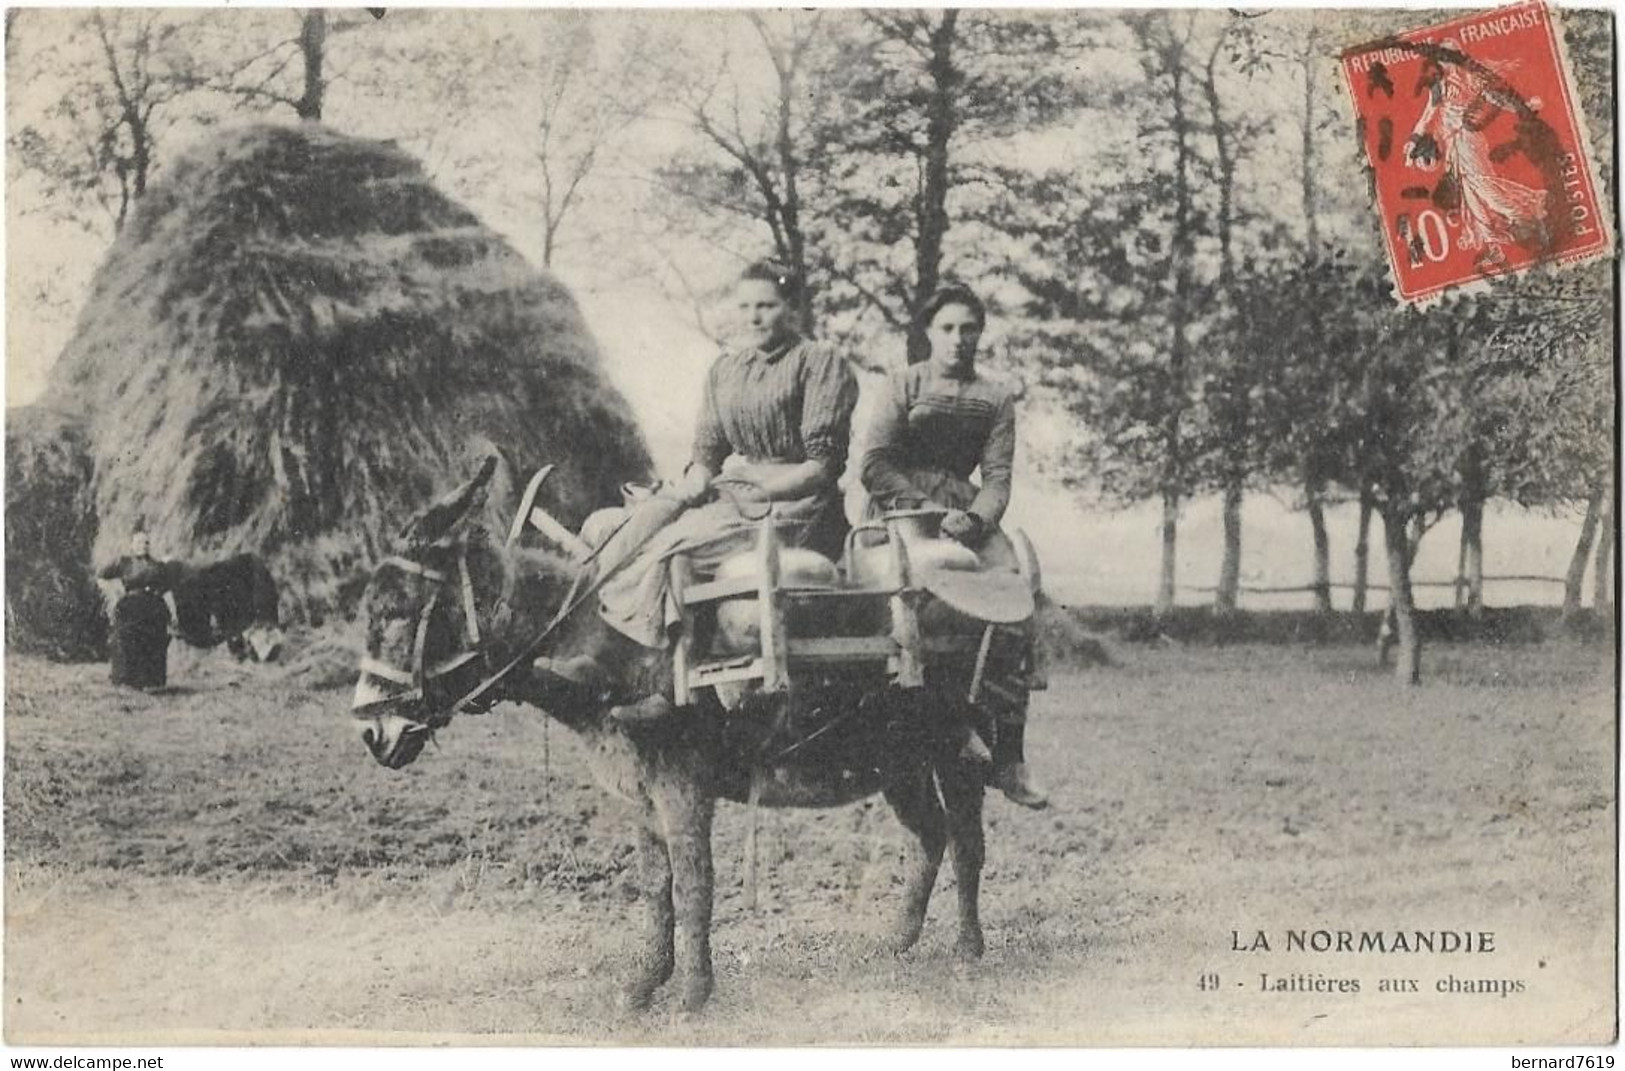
640	994
696	991
969	946
901	942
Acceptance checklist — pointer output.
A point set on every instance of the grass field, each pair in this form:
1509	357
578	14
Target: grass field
224	863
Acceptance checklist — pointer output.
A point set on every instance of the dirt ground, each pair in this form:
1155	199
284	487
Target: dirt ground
224	863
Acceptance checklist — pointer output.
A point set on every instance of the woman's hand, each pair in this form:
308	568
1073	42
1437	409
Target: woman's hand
738	469
695	486
777	480
965	527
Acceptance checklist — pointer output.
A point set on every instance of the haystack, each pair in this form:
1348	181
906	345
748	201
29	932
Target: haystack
296	340
53	606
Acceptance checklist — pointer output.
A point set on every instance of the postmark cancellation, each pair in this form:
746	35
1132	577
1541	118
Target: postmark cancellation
1479	163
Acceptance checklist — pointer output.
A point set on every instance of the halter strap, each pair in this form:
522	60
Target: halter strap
471	614
407	565
374	668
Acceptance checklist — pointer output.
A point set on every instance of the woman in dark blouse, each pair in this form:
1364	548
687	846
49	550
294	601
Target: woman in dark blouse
140	647
938	422
773	428
777	415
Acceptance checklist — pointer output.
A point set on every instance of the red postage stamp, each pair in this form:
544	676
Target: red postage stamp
1473	135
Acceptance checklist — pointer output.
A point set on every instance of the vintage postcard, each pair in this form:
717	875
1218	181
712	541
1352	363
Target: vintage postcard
833	527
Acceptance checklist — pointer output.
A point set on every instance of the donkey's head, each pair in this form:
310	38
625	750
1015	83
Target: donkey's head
431	617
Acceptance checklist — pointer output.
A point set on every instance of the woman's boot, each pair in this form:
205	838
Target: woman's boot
1010	773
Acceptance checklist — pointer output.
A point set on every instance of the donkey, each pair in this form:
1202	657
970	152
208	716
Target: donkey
451	621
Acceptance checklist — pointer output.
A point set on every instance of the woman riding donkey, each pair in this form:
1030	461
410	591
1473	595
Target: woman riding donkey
937	423
773	432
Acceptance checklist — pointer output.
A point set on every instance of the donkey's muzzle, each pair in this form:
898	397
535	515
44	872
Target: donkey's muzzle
392	740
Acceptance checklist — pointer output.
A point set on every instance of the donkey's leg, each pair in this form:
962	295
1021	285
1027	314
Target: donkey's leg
962	795
657	958
687	820
914	799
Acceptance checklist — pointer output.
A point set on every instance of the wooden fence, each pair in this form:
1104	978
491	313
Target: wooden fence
1310	589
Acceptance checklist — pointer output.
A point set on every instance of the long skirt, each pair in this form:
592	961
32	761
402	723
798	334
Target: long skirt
140	653
637	600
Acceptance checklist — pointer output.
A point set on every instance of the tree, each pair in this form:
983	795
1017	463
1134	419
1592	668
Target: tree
931	112
96	145
1420	414
1541	431
919	47
279	69
1314	379
1459	407
1302	429
1230	383
587	102
1122	289
751	171
871	162
1165	41
1394	405
1314	461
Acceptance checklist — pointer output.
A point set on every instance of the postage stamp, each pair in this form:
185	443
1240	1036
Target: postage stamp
1478	159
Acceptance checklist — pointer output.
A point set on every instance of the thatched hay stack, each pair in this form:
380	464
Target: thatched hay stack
53	606
296	340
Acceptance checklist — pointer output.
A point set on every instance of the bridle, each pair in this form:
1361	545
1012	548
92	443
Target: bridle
417	677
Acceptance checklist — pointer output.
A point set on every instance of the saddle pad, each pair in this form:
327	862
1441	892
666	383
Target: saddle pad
997	597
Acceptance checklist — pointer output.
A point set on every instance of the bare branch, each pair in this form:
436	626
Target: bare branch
874	300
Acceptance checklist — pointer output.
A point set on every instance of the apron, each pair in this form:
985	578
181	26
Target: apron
140	648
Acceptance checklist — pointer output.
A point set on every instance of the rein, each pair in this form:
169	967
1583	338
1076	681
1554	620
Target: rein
574	599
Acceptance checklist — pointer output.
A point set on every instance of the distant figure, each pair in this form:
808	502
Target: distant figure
140	654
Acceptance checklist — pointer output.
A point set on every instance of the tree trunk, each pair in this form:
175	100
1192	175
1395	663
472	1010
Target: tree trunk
313	47
1470	583
1603	574
1230	568
1573	583
1170	538
140	156
1602	592
1183	254
1459	589
1323	553
1309	59
1402	610
1362	552
1226	160
932	214
790	166
1235	392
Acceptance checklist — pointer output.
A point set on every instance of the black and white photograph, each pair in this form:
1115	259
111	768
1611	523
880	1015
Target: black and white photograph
823	527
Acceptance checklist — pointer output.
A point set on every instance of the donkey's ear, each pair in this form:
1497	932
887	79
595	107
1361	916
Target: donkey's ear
446	517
